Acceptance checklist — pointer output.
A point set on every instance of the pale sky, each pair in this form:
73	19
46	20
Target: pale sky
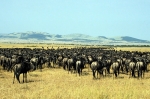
108	18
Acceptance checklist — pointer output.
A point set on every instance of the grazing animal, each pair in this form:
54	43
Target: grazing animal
140	68
96	66
71	65
34	61
108	65
132	69
115	68
60	58
65	65
80	65
23	67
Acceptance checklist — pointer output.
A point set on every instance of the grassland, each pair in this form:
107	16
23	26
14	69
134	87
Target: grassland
56	83
55	46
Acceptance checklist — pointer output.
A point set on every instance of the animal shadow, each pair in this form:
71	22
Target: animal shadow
85	73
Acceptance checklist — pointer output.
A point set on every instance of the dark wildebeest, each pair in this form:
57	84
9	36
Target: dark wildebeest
132	69
80	65
115	68
3	61
108	65
34	61
54	60
60	58
126	65
97	66
140	69
23	67
64	62
119	60
71	65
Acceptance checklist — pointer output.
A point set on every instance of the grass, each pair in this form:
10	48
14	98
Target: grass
61	46
56	83
36	45
141	49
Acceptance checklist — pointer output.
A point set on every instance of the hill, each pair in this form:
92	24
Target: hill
75	38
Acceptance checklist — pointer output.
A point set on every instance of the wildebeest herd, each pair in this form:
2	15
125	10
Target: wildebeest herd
100	60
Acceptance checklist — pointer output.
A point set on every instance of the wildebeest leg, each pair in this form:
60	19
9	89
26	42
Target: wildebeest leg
89	66
126	68
71	69
68	69
115	73
9	68
138	73
49	64
17	76
121	67
40	67
108	69
97	73
133	73
104	72
129	73
93	73
53	64
36	65
23	77
76	71
14	77
143	74
26	77
80	72
100	73
64	67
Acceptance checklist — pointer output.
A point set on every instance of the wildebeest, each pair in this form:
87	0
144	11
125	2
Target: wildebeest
71	65
115	68
23	67
140	69
97	66
80	64
37	61
64	63
99	58
132	69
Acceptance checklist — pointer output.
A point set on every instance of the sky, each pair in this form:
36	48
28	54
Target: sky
108	18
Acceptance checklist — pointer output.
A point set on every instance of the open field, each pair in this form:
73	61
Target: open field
55	46
141	49
56	83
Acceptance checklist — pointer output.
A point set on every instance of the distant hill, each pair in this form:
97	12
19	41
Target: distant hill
37	37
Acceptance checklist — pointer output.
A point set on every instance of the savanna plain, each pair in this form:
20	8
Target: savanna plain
56	83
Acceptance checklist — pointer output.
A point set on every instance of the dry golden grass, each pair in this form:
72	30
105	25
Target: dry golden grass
141	49
56	83
61	46
36	45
